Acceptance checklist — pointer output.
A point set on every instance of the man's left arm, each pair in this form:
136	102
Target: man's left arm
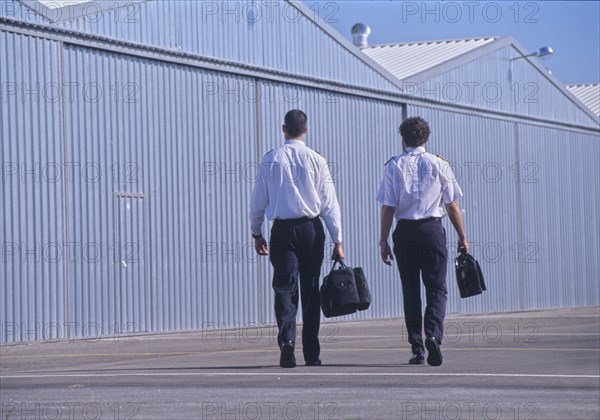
258	204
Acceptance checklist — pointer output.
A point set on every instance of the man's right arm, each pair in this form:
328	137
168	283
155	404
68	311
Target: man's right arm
387	219
454	213
387	198
330	210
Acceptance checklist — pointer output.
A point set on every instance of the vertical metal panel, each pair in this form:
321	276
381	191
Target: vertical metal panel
481	152
245	31
32	272
91	152
160	130
561	194
495	82
357	136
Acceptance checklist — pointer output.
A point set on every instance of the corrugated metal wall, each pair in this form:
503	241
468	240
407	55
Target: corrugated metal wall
561	195
157	161
246	31
32	229
495	82
161	141
157	187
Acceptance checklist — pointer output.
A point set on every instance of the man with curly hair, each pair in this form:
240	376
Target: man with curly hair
415	189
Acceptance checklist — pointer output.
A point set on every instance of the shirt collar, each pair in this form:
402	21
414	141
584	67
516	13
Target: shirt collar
415	150
295	142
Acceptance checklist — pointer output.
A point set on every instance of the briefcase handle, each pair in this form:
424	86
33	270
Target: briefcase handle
462	250
336	262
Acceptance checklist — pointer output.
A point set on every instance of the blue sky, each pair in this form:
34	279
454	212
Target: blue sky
571	28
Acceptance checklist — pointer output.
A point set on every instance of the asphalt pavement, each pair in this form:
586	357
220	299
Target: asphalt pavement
527	365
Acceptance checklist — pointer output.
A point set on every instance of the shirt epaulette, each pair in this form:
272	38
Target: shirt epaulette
442	157
390	159
269	152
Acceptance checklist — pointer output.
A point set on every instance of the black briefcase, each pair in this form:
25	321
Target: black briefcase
468	275
339	294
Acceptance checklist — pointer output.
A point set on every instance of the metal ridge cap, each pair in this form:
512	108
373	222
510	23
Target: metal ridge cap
106	42
141	50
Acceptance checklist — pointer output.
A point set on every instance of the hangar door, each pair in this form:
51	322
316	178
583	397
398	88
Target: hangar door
131	276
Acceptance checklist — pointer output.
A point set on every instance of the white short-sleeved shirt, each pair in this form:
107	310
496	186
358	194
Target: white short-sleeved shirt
294	181
417	184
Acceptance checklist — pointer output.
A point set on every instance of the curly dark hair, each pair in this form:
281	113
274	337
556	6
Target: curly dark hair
415	131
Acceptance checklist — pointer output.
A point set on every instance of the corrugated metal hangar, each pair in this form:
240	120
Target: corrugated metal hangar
131	133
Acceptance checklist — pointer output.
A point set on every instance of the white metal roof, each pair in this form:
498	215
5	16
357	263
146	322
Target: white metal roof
588	94
407	59
54	4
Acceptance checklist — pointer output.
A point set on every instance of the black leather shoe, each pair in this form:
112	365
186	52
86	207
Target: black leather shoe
416	359
314	363
434	358
287	359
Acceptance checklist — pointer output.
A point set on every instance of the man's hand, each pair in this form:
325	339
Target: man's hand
463	243
338	253
261	246
386	254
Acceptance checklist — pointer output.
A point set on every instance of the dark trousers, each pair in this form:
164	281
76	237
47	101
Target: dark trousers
420	249
296	251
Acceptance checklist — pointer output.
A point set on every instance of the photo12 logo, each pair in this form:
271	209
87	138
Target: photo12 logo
254	410
469	12
454	410
88	172
128	12
125	92
69	410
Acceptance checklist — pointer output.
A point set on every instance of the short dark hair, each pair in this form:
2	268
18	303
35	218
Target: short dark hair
415	131
295	122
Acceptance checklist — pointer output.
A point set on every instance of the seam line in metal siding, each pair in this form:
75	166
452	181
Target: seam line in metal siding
261	289
519	212
66	279
170	56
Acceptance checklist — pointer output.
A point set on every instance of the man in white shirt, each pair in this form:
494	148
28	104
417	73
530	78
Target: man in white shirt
415	189
294	189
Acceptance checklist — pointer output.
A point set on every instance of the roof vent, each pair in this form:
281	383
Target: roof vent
360	35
